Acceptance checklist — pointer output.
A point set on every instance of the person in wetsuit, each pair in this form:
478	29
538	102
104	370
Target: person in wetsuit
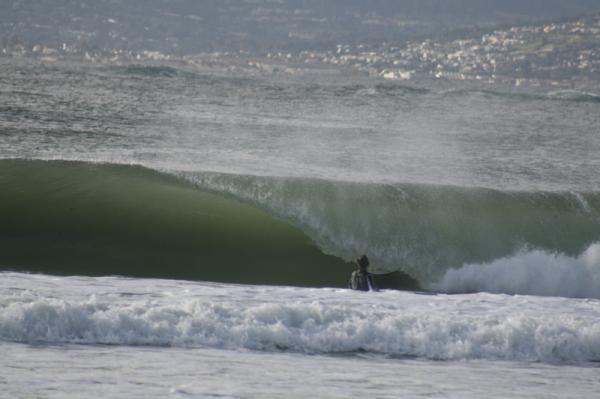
361	279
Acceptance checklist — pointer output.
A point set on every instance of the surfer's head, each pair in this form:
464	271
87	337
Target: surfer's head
363	262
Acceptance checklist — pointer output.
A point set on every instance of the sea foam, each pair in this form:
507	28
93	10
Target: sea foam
530	272
323	321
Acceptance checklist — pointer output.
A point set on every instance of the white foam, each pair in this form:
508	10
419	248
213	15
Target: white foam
480	326
530	272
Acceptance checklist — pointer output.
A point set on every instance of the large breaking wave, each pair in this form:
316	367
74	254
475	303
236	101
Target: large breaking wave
451	239
85	219
108	219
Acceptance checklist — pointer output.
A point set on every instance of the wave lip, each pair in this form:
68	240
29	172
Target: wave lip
444	329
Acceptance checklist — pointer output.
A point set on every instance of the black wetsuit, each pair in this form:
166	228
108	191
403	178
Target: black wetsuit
362	281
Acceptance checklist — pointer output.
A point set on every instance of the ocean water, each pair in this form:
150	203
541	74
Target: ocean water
169	232
114	336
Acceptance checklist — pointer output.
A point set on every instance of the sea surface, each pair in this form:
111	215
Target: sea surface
175	232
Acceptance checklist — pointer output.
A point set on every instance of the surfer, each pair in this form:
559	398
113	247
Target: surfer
361	279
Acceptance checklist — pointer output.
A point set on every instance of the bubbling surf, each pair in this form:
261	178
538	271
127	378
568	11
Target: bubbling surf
529	272
116	311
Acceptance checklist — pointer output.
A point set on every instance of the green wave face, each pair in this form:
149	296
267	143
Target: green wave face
81	218
76	218
422	230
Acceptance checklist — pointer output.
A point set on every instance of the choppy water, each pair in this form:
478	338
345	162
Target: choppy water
161	171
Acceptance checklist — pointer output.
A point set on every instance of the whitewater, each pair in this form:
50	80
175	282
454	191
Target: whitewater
200	336
174	232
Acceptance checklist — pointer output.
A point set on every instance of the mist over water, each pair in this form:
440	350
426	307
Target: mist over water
464	134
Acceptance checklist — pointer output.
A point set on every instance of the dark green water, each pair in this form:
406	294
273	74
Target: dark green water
77	218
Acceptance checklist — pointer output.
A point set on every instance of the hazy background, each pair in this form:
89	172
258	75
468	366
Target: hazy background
186	26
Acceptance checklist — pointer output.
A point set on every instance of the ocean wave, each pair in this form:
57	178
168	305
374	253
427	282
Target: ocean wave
163	71
574	95
99	219
454	330
421	230
559	95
